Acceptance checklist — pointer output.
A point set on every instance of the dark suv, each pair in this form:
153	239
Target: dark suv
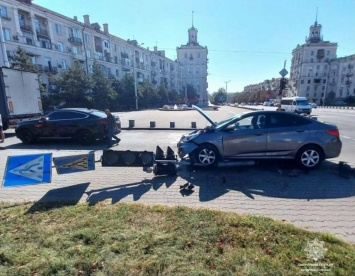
85	125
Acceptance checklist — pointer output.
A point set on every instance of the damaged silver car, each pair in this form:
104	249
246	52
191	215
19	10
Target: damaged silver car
259	135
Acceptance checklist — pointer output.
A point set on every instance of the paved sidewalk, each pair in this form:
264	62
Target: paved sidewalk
319	201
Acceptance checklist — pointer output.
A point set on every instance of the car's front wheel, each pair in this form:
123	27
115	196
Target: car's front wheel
309	157
27	136
206	155
85	137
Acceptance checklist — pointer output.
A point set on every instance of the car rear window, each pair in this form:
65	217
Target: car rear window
98	113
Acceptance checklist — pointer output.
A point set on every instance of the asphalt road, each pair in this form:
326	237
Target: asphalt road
319	200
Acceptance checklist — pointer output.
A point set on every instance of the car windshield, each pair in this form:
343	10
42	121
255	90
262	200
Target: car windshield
302	102
222	124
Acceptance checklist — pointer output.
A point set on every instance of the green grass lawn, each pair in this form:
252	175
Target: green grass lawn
131	239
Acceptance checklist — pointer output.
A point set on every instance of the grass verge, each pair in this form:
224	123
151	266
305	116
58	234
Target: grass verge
132	239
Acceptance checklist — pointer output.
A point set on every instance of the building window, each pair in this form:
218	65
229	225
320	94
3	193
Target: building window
45	43
29	39
312	53
324	81
87	38
62	64
58	29
307	88
309	81
3	11
315	94
33	59
60	46
117	73
74	32
302	81
323	87
106	44
6	34
88	53
75	50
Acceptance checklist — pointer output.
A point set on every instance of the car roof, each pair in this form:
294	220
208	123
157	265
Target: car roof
84	110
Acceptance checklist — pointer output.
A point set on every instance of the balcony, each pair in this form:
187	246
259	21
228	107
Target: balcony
50	69
42	32
39	67
75	40
126	64
79	57
26	27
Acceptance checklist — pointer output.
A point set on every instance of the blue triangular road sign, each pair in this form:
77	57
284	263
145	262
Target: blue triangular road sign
28	170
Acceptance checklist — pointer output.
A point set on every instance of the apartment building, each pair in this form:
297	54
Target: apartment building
54	42
316	72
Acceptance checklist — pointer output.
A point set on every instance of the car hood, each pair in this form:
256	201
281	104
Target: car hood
208	118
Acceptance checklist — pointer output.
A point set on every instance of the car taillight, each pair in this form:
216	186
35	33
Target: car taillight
103	121
333	132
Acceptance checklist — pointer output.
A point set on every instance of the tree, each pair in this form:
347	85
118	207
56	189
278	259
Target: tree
102	94
21	61
173	96
219	97
162	96
74	86
147	96
125	93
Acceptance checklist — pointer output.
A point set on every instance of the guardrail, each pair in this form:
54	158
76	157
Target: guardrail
337	107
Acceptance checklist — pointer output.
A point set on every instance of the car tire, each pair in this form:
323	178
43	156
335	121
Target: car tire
27	136
309	157
206	155
85	137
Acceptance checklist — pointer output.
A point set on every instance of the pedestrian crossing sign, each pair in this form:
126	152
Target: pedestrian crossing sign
74	163
28	170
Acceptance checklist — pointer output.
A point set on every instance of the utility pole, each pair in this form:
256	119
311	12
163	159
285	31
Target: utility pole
227	89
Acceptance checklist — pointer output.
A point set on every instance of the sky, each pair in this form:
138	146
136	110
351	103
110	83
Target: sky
248	41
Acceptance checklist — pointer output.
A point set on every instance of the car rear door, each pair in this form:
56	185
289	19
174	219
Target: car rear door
286	133
70	122
242	139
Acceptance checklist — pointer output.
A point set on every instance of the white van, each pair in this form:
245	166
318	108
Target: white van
296	104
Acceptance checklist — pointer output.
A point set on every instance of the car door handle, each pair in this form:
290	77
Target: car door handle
300	130
259	134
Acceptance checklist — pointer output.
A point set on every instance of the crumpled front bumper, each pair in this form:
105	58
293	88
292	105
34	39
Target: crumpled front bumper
185	149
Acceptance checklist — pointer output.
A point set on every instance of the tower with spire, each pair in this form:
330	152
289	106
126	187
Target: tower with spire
193	57
310	66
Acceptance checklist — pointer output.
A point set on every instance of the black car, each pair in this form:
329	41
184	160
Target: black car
85	125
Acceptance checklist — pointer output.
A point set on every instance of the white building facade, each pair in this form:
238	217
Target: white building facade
54	42
316	72
193	58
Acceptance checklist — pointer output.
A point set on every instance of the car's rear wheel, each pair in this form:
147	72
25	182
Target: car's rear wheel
206	155
85	137
309	157
27	136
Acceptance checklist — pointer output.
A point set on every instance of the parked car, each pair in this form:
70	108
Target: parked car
261	135
85	125
313	105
